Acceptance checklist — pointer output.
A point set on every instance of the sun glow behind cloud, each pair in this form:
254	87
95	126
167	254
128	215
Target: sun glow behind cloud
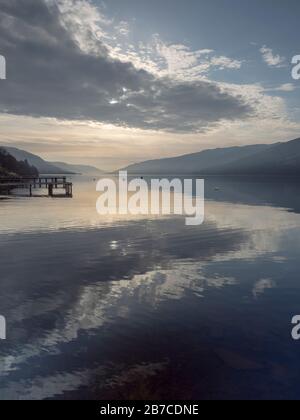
168	103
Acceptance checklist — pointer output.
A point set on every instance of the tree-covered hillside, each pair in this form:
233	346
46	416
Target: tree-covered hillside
9	166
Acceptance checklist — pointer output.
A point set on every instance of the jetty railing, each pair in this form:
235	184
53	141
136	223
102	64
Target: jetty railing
50	183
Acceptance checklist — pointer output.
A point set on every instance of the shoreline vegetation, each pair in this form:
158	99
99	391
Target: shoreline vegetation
12	168
52	168
273	160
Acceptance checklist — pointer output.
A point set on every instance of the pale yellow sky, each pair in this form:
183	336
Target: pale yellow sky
113	71
110	147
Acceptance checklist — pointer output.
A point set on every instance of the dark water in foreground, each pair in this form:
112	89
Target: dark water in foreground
149	308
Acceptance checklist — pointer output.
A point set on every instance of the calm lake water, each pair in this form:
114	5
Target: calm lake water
148	308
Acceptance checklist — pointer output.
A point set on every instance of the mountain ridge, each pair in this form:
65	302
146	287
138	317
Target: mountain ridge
42	166
11	167
79	169
282	158
51	168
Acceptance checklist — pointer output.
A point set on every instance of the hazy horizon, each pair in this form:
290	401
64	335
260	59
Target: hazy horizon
94	161
114	83
177	280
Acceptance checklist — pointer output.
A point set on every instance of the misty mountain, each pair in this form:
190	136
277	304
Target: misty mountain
277	159
45	167
42	166
10	166
79	169
274	159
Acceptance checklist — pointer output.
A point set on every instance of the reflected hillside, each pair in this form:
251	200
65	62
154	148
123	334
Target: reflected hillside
273	191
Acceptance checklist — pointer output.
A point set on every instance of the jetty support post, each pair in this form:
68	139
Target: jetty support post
69	189
50	190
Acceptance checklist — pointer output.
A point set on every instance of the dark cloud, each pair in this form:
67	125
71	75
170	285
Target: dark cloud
48	75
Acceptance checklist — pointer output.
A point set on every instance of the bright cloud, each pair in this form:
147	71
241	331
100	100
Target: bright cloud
85	81
286	87
90	84
273	60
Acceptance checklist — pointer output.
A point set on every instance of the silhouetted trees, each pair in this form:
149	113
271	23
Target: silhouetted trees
10	166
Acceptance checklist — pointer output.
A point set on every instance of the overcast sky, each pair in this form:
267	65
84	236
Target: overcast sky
119	81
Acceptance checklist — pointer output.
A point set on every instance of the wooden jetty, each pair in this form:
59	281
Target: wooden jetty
51	184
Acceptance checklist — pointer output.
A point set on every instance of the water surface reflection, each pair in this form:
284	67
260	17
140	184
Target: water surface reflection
150	308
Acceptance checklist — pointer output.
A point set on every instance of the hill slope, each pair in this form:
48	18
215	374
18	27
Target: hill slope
274	159
278	159
9	166
196	162
42	166
78	169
